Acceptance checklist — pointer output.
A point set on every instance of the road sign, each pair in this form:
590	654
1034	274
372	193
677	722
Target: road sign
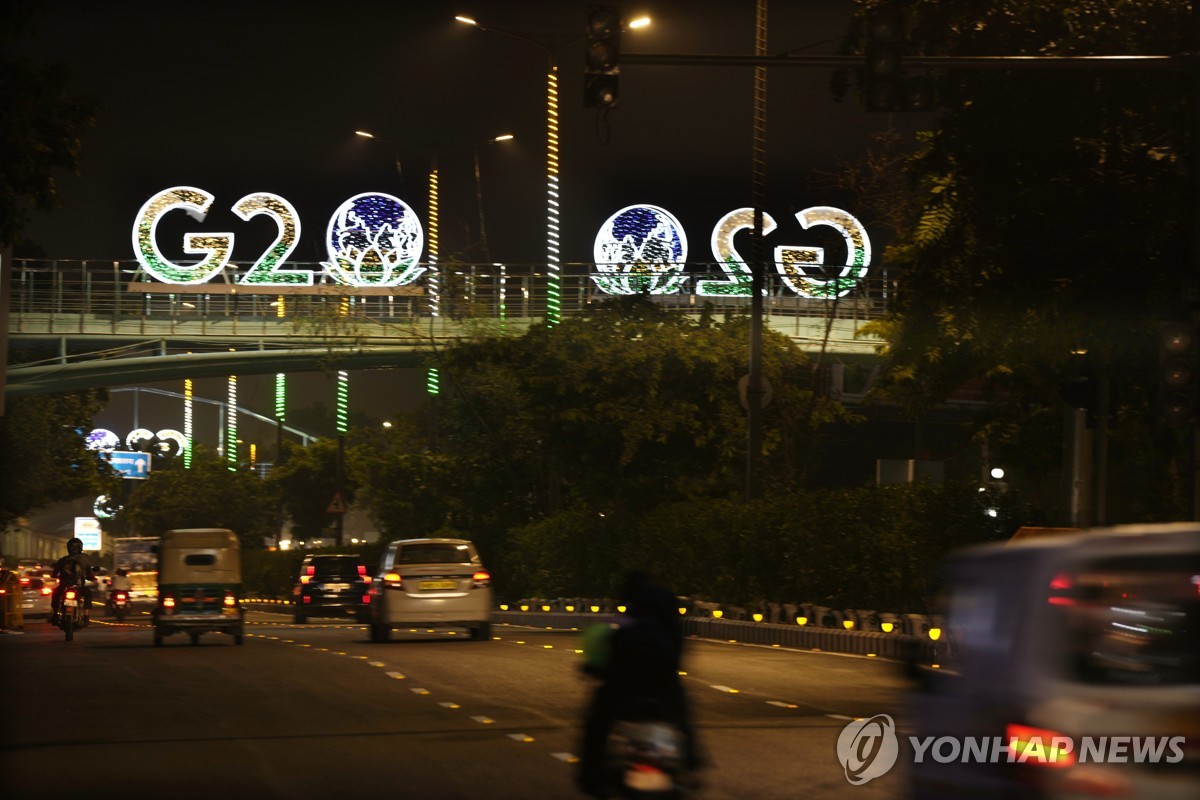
130	464
337	505
87	529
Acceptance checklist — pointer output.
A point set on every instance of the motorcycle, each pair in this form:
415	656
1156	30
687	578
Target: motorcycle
646	755
118	604
72	612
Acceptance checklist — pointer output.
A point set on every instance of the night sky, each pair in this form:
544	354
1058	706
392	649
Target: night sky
241	97
265	96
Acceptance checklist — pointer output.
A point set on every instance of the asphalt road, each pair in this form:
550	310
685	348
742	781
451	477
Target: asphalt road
317	711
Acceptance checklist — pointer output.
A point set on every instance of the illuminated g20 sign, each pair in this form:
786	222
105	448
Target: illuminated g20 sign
643	249
375	239
372	239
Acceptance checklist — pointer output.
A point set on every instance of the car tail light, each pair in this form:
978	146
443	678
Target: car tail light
362	569
47	590
168	602
393	579
230	599
366	598
1039	746
24	582
481	579
308	598
122	596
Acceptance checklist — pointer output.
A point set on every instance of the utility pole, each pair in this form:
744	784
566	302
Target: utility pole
755	391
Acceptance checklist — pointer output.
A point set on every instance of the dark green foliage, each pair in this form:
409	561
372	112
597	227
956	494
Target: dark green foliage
40	129
43	453
306	483
1049	213
865	547
208	495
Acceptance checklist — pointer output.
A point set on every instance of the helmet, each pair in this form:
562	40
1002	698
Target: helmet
75	546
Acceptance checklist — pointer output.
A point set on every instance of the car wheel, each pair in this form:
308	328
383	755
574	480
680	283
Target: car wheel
239	639
381	633
301	619
482	631
195	638
158	638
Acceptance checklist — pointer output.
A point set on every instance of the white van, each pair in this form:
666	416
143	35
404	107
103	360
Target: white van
1080	639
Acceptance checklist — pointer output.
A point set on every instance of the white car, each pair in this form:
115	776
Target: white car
431	582
35	597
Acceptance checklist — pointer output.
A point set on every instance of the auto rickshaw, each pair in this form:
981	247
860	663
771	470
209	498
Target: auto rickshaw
199	584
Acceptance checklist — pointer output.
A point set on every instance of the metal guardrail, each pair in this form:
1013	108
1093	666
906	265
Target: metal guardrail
79	298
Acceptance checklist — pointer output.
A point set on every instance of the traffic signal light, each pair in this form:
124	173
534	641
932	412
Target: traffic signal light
885	86
602	56
1178	348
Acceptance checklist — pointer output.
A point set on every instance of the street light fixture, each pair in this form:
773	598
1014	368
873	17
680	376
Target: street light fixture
548	45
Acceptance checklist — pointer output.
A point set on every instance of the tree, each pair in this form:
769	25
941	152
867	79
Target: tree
208	495
40	131
1051	219
43	454
617	411
306	482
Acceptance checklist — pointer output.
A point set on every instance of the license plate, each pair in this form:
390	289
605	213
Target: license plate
69	602
435	585
336	587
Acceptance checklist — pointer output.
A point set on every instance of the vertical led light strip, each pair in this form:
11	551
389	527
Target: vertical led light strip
553	276
432	381
187	423
432	280
503	296
231	406
343	401
280	396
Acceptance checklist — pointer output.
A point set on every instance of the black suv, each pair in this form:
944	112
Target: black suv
332	586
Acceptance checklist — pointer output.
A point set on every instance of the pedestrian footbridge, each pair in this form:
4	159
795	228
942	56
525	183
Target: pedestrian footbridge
103	323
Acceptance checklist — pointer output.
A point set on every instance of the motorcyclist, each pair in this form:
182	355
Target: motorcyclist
639	663
72	569
118	583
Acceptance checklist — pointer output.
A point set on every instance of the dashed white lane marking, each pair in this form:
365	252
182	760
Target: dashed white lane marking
520	737
449	705
419	691
566	758
781	704
397	675
483	720
725	689
840	716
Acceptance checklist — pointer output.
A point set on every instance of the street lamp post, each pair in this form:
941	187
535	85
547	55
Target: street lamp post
553	263
432	228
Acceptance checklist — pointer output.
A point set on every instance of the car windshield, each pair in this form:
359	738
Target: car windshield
433	553
335	565
1131	621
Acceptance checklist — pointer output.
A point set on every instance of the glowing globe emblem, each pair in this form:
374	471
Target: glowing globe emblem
102	439
374	239
640	250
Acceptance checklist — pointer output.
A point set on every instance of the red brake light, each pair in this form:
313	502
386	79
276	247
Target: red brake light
366	598
481	578
70	594
310	570
1039	746
25	581
230	599
362	569
393	579
47	590
168	602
